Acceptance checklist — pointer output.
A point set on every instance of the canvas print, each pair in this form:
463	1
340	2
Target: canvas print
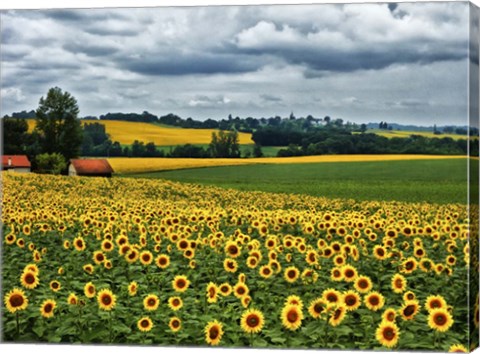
281	176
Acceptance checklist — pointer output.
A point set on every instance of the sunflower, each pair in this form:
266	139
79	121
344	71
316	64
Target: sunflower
146	257
291	317
265	271
440	320
337	315
213	332
151	302
246	300
336	274
132	288
132	255
379	252
88	268
317	307
363	284
162	261
232	249
240	289
175	303
409	310
175	324
55	285
89	290
409	265
180	283
98	257
294	300
389	315
409	296
435	302
387	334
457	348
332	296
225	289
349	273
212	292
145	324
291	274
374	301
106	300
107	246
15	300
32	267
72	299
47	307
29	279
79	243
252	321
351	300
399	283
230	265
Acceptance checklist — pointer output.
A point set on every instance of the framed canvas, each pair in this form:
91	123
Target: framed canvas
268	176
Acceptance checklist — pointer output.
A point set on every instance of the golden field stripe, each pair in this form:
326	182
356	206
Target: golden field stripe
138	165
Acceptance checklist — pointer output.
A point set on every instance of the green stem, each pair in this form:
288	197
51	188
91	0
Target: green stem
18	324
110	327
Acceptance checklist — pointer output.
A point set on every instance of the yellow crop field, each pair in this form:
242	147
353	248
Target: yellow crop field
138	165
128	132
406	134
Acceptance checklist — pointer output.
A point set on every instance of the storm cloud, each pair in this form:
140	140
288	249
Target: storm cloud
361	62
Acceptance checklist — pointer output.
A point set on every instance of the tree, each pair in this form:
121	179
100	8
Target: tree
50	163
58	125
15	131
225	144
257	150
363	128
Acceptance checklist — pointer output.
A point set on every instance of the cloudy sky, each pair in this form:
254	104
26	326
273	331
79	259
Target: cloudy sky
403	62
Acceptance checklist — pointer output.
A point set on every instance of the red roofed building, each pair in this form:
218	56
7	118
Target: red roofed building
16	163
90	167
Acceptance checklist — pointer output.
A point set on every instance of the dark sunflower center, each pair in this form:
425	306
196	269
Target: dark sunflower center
55	285
146	258
175	323
350	300
363	284
16	300
176	302
162	261
213	333
181	283
151	302
440	319
398	283
48	308
349	273
241	290
435	304
292	316
337	314
253	320
391	316
388	333
332	298
409	310
90	290
318	308
211	292
106	300
266	271
29	279
374	300
381	252
409	265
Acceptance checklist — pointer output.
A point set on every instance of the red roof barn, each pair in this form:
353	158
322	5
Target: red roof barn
90	167
17	163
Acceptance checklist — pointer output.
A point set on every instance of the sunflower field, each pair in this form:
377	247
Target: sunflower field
136	261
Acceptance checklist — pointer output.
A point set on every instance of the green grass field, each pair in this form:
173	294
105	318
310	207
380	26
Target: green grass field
434	181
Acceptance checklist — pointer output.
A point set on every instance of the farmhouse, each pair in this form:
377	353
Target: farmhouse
16	163
90	167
